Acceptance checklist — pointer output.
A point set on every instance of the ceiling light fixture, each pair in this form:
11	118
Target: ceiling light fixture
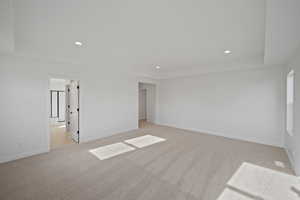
227	51
157	67
78	43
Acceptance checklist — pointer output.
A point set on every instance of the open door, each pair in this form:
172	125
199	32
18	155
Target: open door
72	111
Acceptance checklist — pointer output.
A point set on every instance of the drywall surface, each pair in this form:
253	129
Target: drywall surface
108	102
282	30
246	105
292	143
7	31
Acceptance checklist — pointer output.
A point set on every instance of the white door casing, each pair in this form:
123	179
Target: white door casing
73	110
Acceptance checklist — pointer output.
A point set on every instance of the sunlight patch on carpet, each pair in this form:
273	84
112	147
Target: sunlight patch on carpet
144	141
229	194
279	164
111	150
256	182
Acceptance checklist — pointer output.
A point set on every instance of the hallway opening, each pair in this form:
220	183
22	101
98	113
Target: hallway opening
147	105
64	112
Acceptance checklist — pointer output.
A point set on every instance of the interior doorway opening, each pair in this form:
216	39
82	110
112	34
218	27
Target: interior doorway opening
147	105
64	112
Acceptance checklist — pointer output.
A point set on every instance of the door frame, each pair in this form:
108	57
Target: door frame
156	85
47	101
78	109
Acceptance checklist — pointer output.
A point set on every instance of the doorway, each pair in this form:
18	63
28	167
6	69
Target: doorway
64	112
147	105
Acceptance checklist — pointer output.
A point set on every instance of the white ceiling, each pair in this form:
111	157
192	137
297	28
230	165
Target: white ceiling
180	36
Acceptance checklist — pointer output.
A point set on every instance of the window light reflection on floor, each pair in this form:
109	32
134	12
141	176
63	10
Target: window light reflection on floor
255	182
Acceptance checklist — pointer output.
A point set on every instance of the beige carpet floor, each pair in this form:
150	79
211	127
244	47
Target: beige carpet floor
144	124
188	165
59	136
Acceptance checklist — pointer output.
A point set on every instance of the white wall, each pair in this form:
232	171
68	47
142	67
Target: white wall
247	105
151	101
282	30
109	103
292	143
7	30
240	104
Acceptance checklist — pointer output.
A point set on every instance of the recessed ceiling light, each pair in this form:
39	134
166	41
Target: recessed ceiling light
78	43
157	67
227	51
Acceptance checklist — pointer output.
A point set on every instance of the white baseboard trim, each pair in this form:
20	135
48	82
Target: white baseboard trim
106	134
222	135
8	158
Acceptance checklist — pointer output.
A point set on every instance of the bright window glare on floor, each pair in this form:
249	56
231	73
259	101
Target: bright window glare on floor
111	150
279	164
144	141
230	194
255	182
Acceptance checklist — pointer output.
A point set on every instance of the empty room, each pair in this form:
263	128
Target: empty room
150	100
